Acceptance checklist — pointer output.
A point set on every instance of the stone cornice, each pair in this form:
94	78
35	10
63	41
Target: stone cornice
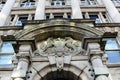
107	25
11	27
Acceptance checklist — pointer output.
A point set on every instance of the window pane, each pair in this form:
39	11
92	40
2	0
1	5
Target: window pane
93	16
7	48
5	60
84	2
113	56
57	4
22	19
111	44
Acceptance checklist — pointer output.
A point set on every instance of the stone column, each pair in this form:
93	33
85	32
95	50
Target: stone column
101	71
40	10
65	15
51	16
76	11
112	10
30	17
15	19
6	11
23	55
102	18
87	15
22	68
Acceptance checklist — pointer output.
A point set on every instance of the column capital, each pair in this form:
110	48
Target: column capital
95	57
24	51
25	59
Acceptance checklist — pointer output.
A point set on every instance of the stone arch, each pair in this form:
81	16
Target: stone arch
59	28
47	69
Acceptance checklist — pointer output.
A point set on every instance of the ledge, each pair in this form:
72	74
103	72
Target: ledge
107	25
112	65
8	68
11	27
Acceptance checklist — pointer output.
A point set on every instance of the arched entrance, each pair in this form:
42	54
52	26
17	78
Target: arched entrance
69	72
61	75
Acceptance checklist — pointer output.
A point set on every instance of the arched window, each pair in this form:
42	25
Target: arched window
28	3
57	3
6	54
2	3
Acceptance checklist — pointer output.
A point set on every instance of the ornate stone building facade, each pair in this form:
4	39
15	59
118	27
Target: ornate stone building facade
59	40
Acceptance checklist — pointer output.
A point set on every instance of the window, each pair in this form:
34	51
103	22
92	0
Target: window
6	54
84	2
57	3
58	16
105	16
29	3
69	16
97	20
47	17
92	2
88	2
112	49
116	2
2	3
20	20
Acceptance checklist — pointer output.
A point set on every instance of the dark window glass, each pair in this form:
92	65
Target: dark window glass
52	3
93	16
22	19
47	17
63	3
69	16
58	16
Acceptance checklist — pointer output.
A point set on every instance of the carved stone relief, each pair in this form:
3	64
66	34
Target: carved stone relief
58	49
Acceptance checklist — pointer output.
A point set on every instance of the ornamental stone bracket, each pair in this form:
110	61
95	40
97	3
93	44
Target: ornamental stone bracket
59	51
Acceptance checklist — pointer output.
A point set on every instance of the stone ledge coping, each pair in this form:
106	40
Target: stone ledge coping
110	65
8	68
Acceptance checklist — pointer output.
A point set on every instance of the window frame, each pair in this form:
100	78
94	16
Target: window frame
61	3
28	4
112	51
18	22
88	2
7	56
116	2
97	19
